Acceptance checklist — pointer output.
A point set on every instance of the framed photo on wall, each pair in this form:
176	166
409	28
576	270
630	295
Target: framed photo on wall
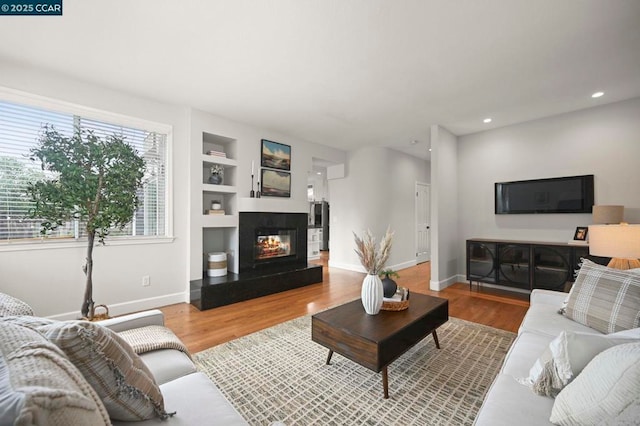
275	155
581	233
275	183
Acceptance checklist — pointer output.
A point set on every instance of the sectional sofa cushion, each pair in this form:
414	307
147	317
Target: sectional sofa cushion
9	305
564	358
40	386
605	299
606	389
125	384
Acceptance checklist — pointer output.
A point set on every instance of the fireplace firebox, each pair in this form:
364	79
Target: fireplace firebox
274	244
272	240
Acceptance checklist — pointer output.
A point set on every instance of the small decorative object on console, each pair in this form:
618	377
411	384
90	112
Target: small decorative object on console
581	233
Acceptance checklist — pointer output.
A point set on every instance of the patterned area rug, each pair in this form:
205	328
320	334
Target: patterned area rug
279	374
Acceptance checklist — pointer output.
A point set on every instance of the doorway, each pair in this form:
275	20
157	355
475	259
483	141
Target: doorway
423	236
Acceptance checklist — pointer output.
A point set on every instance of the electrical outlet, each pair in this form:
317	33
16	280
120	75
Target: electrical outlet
146	282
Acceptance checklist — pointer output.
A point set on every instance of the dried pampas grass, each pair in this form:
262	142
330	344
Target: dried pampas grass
373	260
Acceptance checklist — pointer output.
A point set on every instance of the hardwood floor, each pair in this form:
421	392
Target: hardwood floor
200	330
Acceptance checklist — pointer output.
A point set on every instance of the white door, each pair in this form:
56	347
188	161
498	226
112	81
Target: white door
423	238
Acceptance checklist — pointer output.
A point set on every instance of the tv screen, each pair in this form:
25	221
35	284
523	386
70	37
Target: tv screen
572	194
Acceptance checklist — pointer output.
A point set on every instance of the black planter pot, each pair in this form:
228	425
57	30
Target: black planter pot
389	286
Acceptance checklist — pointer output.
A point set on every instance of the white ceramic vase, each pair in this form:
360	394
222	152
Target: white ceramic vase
372	293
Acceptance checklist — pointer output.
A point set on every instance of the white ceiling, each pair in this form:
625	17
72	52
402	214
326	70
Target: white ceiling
346	73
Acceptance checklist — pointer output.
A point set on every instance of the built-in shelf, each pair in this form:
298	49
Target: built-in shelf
212	159
226	189
219	221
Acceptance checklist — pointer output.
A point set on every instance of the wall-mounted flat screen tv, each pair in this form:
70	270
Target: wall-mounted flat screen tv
572	194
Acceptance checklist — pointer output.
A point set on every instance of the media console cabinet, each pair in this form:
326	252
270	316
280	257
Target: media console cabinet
525	265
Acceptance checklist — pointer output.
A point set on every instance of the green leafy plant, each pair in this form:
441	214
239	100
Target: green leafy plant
389	273
93	180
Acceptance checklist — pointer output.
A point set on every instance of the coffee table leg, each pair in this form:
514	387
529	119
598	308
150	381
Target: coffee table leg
435	338
329	357
385	382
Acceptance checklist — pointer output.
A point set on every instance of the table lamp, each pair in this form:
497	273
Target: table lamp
607	214
619	242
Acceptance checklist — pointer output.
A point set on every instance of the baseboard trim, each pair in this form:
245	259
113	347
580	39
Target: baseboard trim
132	306
500	287
441	285
359	268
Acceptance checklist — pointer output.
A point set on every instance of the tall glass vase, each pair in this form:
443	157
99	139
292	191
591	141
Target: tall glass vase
372	293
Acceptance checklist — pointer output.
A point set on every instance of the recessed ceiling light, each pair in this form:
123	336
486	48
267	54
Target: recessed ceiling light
318	173
597	94
429	149
486	120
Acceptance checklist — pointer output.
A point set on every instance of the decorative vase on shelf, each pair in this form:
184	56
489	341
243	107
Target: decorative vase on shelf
372	293
217	175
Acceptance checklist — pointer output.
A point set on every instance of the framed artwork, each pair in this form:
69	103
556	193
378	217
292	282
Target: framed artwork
275	155
581	233
275	183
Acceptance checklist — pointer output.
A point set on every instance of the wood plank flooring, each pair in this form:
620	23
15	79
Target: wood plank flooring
200	330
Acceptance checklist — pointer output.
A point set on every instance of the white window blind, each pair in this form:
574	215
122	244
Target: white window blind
20	128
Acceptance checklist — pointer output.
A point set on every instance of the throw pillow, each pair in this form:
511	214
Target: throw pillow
605	299
9	305
605	389
40	386
564	359
125	384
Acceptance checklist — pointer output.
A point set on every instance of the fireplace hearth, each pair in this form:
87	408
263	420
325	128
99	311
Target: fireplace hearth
272	257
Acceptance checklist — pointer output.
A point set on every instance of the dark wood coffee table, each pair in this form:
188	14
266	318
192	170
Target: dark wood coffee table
375	341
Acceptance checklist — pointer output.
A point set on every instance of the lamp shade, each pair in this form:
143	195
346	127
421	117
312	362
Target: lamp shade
608	214
616	241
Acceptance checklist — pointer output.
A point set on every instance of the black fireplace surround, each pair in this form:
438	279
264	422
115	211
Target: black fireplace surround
256	226
272	258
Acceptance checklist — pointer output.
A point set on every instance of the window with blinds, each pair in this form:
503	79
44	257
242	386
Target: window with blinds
20	128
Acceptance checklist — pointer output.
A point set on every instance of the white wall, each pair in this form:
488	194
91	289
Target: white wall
444	208
320	186
377	191
603	141
51	280
248	140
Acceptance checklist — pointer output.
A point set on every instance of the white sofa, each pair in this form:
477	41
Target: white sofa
189	393
194	398
509	402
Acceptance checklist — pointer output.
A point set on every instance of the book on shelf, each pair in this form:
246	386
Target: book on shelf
216	212
217	153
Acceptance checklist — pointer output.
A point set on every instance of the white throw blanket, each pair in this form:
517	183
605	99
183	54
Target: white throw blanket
151	338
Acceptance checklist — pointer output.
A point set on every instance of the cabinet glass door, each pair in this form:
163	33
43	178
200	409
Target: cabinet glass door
513	265
552	268
481	262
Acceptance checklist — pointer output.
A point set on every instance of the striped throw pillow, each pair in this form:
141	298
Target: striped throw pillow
605	299
125	384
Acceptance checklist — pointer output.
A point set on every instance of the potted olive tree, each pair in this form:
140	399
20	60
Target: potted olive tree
91	179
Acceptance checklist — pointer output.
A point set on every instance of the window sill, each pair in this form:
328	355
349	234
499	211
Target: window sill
44	244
